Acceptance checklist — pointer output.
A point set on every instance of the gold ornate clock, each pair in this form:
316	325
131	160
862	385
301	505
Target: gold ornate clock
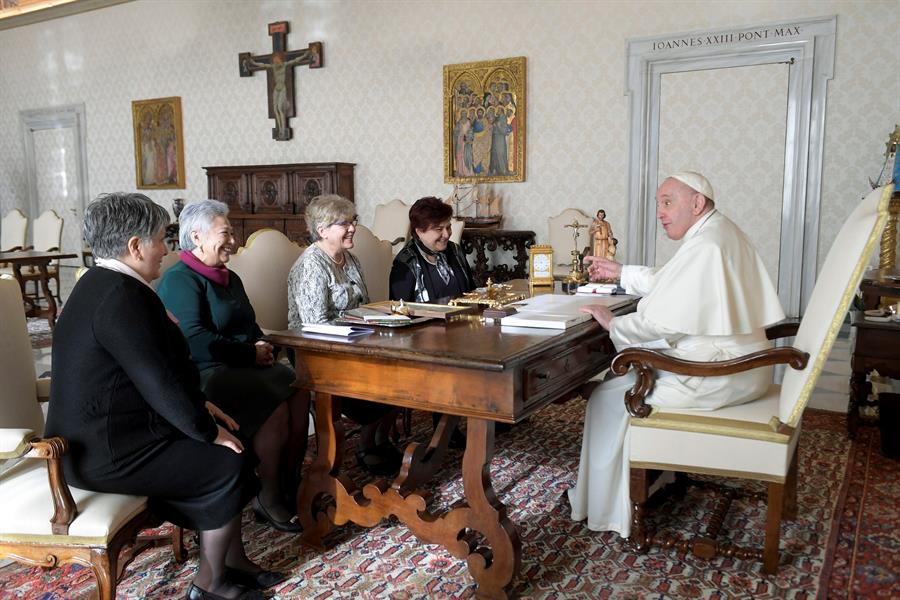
541	265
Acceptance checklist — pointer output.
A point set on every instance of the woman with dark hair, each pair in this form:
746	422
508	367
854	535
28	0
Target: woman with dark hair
127	398
430	268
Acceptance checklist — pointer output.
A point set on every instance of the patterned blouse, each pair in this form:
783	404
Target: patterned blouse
319	290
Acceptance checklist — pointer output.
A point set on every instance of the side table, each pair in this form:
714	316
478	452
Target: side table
481	241
877	345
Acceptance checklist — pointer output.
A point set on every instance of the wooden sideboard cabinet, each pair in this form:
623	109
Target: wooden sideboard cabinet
275	196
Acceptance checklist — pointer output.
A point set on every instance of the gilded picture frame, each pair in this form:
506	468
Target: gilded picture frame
484	121
158	143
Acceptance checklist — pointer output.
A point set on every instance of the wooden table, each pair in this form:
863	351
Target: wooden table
461	368
40	260
877	345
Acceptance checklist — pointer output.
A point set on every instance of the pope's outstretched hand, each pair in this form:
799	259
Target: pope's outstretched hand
600	268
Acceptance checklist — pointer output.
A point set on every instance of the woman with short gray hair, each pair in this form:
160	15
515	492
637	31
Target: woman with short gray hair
127	398
325	281
238	370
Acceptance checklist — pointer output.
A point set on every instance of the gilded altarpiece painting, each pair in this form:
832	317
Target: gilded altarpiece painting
158	143
484	121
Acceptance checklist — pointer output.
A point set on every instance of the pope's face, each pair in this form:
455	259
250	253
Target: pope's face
678	207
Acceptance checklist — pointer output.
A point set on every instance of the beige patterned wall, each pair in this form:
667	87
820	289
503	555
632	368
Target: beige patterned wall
729	124
377	102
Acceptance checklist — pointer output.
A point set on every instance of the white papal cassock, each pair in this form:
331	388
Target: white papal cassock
710	302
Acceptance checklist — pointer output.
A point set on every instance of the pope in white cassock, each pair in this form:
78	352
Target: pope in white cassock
710	302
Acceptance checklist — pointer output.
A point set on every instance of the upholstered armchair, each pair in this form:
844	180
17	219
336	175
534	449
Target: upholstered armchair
391	223
561	238
758	440
46	236
43	521
375	258
263	265
13	228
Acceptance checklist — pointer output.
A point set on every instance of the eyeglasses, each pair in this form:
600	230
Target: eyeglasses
353	222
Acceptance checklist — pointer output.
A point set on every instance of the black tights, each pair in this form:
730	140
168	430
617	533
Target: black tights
221	548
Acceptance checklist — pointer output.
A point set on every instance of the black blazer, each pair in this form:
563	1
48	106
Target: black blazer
123	383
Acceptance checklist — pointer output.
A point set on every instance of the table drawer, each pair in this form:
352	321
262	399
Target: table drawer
567	369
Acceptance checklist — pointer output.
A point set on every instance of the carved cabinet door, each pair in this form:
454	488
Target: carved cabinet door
269	192
230	188
308	185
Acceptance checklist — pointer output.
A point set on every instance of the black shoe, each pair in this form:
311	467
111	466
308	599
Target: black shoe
259	580
292	525
195	593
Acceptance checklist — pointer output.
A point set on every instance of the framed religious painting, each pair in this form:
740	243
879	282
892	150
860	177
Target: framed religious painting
158	143
484	121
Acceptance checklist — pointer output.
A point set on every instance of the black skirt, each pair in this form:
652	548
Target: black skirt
248	394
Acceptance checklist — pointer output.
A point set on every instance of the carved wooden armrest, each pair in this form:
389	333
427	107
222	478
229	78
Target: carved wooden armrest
781	329
399	240
644	361
64	509
26	248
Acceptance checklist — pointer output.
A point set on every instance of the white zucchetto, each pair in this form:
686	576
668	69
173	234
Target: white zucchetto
695	181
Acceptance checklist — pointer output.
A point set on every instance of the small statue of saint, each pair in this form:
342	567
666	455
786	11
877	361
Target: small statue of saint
602	242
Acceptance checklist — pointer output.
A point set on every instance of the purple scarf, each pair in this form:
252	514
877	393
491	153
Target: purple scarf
215	274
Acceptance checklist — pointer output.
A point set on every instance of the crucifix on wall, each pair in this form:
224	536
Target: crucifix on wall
279	68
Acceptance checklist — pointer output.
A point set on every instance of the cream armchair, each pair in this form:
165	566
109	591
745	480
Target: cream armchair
46	236
13	228
375	259
263	265
391	223
43	521
757	440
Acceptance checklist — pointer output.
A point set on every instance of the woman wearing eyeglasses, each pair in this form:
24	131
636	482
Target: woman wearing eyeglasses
325	281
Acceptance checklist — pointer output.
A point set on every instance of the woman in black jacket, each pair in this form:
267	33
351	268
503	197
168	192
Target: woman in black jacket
127	397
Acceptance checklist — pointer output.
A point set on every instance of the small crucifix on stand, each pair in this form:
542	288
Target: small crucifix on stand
279	68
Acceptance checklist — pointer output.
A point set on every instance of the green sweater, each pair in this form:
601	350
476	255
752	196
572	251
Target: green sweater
218	322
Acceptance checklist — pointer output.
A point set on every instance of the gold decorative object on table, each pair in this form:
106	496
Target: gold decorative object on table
576	275
418	309
540	270
494	297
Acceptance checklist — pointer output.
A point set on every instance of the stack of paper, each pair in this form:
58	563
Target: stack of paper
544	320
339	330
556	311
597	288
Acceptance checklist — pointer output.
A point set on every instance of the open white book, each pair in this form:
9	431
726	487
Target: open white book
338	330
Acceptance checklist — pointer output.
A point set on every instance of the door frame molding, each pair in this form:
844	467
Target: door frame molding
807	46
57	117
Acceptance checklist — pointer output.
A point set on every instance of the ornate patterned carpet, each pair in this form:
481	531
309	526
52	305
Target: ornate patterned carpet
845	542
40	333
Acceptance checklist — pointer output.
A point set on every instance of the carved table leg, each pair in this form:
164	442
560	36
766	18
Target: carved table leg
493	565
322	480
51	302
31	309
